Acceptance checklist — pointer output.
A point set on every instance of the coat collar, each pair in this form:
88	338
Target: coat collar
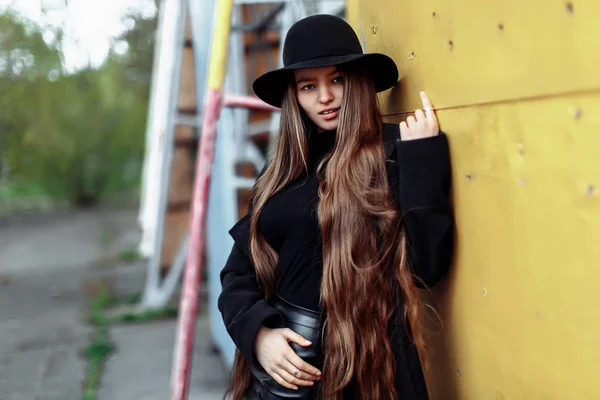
391	134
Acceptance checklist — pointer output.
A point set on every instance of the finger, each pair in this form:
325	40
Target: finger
294	379
420	115
404	131
282	381
411	121
302	365
429	113
292	336
298	373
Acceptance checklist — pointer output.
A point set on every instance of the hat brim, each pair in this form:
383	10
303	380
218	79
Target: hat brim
271	86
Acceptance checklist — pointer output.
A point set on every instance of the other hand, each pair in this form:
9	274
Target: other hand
280	361
422	124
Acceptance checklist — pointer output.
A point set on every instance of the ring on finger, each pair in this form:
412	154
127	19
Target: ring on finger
296	372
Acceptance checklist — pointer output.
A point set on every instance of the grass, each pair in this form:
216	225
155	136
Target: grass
133	298
96	352
29	195
100	346
17	190
150	315
129	254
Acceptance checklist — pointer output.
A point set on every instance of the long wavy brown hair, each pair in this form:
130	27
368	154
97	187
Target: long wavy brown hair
364	245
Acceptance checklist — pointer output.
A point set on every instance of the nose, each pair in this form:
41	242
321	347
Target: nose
325	94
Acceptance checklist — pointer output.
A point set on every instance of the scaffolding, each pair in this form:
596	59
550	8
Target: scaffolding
226	163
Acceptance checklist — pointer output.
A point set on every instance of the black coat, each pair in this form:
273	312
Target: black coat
419	176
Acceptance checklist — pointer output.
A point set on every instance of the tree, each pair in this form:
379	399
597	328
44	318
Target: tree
140	38
25	58
81	135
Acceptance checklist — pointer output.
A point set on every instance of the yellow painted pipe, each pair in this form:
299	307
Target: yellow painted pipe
218	50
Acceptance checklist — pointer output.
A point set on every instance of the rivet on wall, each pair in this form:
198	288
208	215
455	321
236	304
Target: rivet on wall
451	45
433	14
570	7
484	291
374	29
590	190
501	27
458	372
577	113
411	55
469	177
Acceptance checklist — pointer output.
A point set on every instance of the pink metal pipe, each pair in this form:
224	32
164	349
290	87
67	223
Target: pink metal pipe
188	305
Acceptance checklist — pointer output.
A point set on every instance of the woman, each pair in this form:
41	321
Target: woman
347	219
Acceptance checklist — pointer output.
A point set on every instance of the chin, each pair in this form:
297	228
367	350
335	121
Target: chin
328	126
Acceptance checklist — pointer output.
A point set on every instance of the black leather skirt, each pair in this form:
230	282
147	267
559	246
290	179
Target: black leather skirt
306	323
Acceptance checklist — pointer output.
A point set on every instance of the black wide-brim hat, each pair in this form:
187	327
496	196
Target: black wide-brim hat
323	41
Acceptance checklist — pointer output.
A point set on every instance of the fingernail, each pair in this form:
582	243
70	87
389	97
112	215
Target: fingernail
319	373
295	387
311	383
307	342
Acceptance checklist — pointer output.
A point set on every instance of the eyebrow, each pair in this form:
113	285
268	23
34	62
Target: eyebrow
304	79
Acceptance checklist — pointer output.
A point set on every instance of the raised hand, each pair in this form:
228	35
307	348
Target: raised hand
422	124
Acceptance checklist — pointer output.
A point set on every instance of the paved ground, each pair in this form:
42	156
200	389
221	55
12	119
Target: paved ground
141	357
47	267
41	334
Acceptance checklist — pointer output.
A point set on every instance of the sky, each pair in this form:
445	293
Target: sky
89	24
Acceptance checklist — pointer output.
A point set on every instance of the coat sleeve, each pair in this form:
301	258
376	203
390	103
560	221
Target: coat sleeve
241	302
419	173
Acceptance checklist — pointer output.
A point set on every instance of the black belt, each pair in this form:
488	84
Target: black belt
306	323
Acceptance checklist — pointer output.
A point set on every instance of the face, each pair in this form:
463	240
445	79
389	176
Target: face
320	92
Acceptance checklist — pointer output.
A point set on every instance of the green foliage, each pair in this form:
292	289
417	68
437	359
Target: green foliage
129	254
149	315
79	136
100	302
24	54
133	298
22	189
86	135
100	345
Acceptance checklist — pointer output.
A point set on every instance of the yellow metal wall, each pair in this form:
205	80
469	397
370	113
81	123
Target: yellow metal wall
517	88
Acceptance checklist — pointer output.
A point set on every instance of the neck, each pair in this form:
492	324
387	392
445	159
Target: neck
319	130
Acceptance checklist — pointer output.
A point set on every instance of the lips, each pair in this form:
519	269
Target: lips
330	113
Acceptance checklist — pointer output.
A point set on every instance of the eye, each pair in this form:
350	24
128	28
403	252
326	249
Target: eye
338	79
307	87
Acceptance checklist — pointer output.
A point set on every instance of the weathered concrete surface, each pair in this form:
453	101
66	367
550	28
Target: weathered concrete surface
48	266
141	368
81	240
41	334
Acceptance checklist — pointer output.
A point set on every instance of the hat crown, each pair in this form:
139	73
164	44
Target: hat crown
319	36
